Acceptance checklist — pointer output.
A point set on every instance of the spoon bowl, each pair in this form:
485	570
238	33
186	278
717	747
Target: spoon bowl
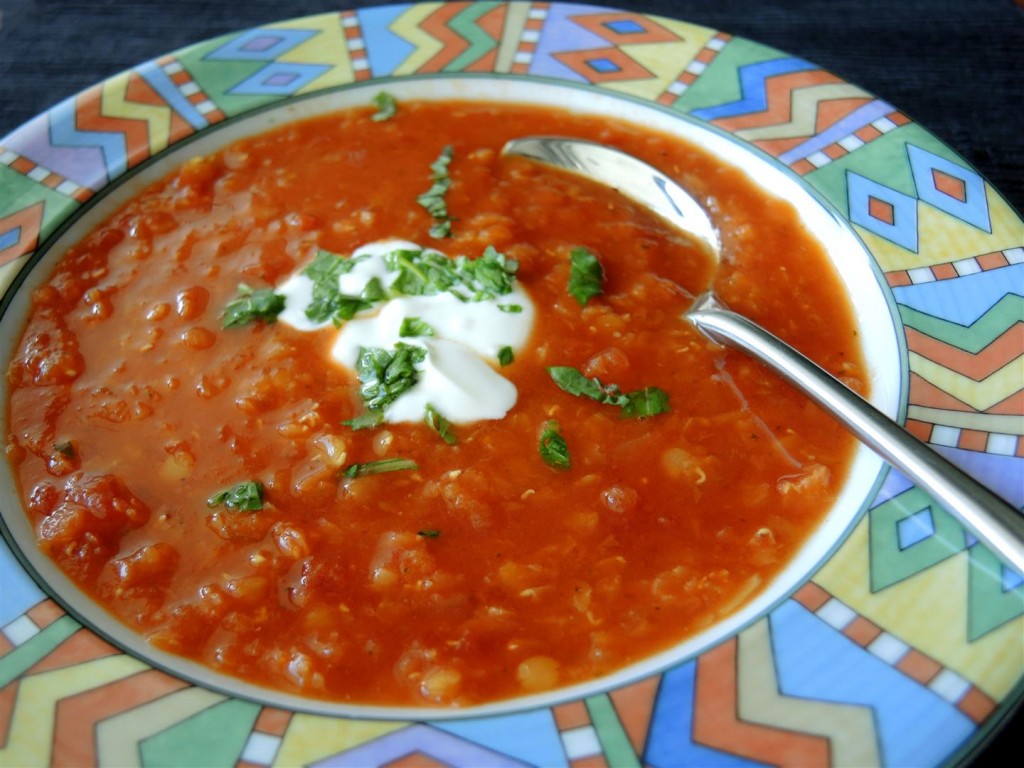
991	519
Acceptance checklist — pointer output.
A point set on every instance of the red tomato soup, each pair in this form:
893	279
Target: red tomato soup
444	563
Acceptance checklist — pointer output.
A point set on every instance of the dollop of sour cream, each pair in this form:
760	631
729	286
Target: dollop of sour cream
457	376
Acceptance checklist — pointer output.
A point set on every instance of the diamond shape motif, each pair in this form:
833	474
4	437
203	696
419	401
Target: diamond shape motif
882	210
995	594
909	534
603	65
623	28
915	529
279	78
261	44
950	187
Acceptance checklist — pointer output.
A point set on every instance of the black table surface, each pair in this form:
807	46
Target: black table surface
952	66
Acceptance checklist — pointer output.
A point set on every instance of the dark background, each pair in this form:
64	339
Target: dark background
953	66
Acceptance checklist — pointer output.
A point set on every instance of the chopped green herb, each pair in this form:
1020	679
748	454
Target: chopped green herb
329	303
378	467
506	356
262	304
244	497
427	273
386	106
575	383
439	424
511	309
585	276
429	533
413	326
648	401
65	448
365	420
553	448
433	200
386	375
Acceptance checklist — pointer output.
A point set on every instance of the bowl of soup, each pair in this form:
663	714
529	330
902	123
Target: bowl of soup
334	409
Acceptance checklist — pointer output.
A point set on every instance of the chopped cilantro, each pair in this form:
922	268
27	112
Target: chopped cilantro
648	401
506	356
386	375
413	326
429	533
262	304
386	106
585	276
433	200
553	448
244	497
378	467
329	303
439	424
427	273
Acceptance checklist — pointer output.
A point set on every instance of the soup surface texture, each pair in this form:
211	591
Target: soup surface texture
432	561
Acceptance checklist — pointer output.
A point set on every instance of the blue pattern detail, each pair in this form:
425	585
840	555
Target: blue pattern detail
280	78
753	89
385	50
570	37
915	529
670	742
604	66
9	238
624	27
19	591
504	733
973	209
903	229
261	44
162	84
815	661
111	144
965	299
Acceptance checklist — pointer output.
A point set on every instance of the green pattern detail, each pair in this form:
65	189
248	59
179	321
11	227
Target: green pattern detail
209	739
38	647
988	605
480	43
975	337
217	76
20	192
890	564
719	83
615	744
883	158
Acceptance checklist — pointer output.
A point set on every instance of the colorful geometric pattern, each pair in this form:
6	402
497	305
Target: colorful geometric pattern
906	645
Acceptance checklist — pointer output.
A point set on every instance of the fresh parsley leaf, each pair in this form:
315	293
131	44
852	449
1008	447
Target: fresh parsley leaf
506	356
413	326
575	383
244	497
386	106
386	375
433	200
329	303
439	424
648	401
585	275
378	467
365	420
262	304
427	273
553	448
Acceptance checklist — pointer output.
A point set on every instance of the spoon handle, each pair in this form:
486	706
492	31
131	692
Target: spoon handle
988	517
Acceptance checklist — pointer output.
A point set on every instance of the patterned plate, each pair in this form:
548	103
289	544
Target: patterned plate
906	647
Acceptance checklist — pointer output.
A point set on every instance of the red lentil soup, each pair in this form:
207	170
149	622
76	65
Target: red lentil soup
484	573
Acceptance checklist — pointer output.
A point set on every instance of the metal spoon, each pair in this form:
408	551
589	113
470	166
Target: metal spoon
985	514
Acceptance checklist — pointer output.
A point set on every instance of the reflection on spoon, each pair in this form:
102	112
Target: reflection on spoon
985	514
